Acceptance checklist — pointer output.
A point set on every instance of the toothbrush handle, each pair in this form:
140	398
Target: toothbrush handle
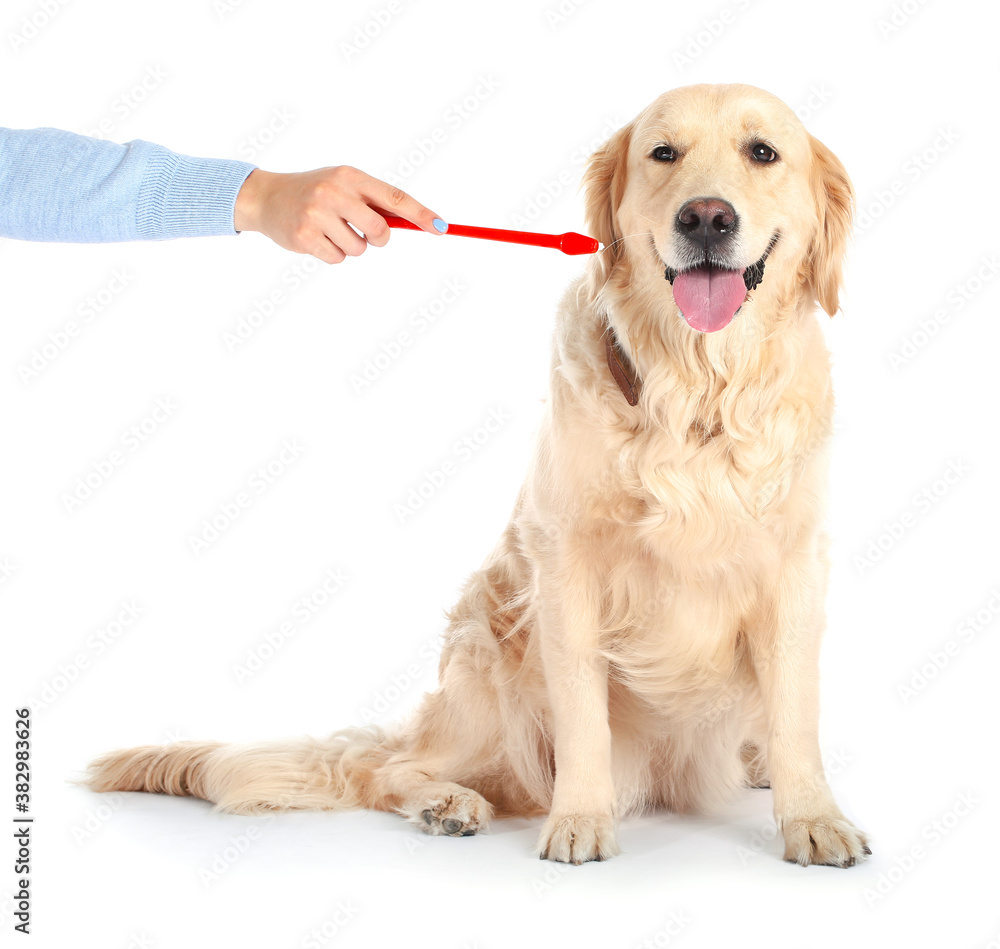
568	243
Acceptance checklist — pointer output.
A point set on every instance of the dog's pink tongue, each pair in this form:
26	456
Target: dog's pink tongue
709	297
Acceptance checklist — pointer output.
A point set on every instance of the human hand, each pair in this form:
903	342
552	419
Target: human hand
320	212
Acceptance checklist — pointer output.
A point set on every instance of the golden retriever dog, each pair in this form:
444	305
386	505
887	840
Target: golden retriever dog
646	633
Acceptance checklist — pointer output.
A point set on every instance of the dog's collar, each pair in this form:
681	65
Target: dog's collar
622	370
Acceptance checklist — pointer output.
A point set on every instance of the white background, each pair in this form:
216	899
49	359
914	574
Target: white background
521	93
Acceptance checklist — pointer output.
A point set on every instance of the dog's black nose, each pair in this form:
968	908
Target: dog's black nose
706	221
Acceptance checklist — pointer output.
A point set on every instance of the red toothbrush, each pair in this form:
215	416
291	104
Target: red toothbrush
568	243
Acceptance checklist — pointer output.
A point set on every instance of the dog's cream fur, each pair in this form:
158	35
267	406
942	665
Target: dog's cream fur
646	632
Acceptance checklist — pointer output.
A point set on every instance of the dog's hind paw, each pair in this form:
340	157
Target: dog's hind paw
448	810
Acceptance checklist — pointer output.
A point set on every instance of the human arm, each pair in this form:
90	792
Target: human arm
59	186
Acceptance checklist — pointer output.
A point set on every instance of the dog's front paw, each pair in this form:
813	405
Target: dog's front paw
828	841
577	839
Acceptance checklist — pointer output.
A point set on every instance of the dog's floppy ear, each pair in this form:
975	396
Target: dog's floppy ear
834	197
604	181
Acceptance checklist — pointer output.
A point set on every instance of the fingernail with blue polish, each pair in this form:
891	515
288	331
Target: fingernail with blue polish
440	225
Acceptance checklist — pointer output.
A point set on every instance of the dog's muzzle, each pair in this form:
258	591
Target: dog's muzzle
709	296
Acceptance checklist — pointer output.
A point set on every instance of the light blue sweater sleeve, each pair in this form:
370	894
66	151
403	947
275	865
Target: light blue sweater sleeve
60	186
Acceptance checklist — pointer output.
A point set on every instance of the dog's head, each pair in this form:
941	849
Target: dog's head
712	191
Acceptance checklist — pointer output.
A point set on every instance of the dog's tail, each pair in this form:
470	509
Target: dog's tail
307	773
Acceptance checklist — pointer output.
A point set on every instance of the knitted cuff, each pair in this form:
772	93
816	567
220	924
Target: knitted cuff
181	196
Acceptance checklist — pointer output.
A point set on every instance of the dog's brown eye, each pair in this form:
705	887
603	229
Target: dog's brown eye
663	153
763	153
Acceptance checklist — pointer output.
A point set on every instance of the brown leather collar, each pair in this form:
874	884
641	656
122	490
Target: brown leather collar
621	368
